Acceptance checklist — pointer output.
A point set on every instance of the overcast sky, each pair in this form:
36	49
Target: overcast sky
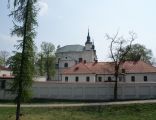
65	22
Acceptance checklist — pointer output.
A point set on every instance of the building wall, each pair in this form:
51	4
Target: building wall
151	77
82	78
104	78
88	91
72	57
5	73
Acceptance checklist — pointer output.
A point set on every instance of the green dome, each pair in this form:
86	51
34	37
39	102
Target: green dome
70	48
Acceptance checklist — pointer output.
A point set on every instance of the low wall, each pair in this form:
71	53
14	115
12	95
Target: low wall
93	91
88	91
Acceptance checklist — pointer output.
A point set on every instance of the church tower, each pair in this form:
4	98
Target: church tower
89	45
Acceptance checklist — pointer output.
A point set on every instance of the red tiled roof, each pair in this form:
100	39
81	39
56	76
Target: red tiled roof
7	77
108	68
5	68
138	67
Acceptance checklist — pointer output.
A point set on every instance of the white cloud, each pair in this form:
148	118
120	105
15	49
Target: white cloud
43	7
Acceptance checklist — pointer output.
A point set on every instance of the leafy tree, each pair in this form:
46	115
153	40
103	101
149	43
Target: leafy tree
48	54
139	52
14	63
118	53
40	64
3	57
24	15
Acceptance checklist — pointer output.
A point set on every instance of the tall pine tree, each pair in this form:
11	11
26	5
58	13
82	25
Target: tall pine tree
24	18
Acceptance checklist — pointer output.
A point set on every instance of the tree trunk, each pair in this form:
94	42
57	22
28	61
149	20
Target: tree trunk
116	82
18	105
20	89
116	88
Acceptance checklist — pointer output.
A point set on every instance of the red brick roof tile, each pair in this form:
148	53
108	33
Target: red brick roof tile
108	68
5	68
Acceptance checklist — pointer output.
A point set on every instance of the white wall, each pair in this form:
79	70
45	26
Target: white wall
151	77
5	72
96	91
88	91
82	78
71	57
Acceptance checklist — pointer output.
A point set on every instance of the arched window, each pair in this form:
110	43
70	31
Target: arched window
65	65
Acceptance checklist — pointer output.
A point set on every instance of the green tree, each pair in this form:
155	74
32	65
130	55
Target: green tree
3	57
48	53
24	15
118	53
40	64
139	52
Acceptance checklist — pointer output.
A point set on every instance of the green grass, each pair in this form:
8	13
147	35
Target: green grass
117	112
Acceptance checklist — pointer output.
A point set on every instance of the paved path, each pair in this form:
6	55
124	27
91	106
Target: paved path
80	104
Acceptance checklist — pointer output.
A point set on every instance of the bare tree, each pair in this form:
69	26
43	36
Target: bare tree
4	56
118	52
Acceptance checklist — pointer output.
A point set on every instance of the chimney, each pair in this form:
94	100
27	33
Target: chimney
123	70
96	61
84	61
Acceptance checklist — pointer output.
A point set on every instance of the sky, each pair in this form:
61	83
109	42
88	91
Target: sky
65	22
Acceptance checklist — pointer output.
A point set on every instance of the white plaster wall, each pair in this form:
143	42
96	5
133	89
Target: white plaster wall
71	57
105	77
82	78
6	72
88	91
151	77
98	91
40	78
89	56
88	46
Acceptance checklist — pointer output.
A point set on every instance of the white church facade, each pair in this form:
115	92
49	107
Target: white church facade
70	55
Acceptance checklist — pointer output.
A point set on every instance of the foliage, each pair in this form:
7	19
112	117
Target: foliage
118	53
14	63
24	18
39	64
46	60
139	52
3	57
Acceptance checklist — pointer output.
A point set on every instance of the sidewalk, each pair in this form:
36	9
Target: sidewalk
80	104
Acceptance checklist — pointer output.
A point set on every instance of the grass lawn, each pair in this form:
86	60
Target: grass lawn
117	112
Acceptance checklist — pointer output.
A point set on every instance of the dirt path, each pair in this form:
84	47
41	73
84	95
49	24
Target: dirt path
80	104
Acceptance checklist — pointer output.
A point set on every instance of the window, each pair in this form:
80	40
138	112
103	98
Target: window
133	78
109	79
3	84
65	64
120	78
80	59
99	79
66	79
145	78
76	79
87	78
56	66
